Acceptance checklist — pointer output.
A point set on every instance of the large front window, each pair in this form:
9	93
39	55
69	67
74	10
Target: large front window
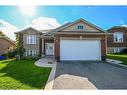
31	39
118	37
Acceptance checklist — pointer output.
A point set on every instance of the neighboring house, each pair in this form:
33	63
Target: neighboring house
118	40
79	40
6	45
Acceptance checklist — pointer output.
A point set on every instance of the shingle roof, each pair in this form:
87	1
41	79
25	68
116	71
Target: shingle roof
81	19
47	30
115	27
11	41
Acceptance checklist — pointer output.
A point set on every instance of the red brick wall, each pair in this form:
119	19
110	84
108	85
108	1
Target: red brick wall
110	39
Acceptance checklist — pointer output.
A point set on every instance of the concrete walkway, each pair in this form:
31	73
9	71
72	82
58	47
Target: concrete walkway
48	62
113	61
67	81
116	63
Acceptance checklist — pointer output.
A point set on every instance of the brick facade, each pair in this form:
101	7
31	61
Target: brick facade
111	45
110	39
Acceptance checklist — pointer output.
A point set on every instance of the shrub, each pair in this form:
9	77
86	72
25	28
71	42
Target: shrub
3	56
31	57
20	52
124	51
36	57
11	54
27	58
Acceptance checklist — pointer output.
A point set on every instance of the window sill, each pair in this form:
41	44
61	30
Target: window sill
31	44
118	42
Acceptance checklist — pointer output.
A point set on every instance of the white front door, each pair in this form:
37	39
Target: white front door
80	50
49	48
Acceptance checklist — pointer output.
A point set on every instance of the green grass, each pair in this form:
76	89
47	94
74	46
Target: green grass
122	58
22	74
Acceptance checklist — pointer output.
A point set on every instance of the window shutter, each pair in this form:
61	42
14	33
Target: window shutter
27	39
34	39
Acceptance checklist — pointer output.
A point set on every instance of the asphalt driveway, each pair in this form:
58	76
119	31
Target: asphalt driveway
89	75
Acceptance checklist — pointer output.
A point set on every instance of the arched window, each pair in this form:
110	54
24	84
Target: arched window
118	37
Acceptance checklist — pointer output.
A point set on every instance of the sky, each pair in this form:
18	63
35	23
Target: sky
16	18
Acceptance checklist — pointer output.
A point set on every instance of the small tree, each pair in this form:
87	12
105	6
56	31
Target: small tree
19	47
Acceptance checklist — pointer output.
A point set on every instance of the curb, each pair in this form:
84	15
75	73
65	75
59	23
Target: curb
50	82
118	64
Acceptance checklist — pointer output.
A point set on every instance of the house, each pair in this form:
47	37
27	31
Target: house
78	40
118	41
6	45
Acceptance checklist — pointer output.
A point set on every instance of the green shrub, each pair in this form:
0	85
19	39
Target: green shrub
11	54
124	51
31	57
27	58
4	55
36	57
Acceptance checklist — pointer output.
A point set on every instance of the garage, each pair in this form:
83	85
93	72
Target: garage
80	50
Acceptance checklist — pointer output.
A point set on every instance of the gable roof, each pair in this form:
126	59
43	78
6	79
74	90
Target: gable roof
69	24
9	40
29	28
46	31
66	24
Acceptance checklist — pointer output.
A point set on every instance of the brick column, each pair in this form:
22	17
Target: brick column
103	48
57	48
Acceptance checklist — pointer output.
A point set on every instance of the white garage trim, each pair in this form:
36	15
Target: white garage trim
78	38
80	50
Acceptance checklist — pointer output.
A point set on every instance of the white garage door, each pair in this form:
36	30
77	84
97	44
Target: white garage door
80	50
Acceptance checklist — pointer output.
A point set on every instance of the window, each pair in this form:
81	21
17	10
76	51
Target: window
31	39
30	52
116	50
80	27
118	37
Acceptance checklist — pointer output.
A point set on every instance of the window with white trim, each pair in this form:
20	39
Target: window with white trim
31	39
116	50
118	37
80	27
30	52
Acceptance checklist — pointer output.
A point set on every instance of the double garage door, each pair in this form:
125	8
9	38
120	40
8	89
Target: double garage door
80	50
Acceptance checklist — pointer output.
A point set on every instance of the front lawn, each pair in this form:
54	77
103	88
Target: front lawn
22	74
122	58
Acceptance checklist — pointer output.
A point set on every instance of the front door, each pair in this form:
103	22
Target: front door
49	48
